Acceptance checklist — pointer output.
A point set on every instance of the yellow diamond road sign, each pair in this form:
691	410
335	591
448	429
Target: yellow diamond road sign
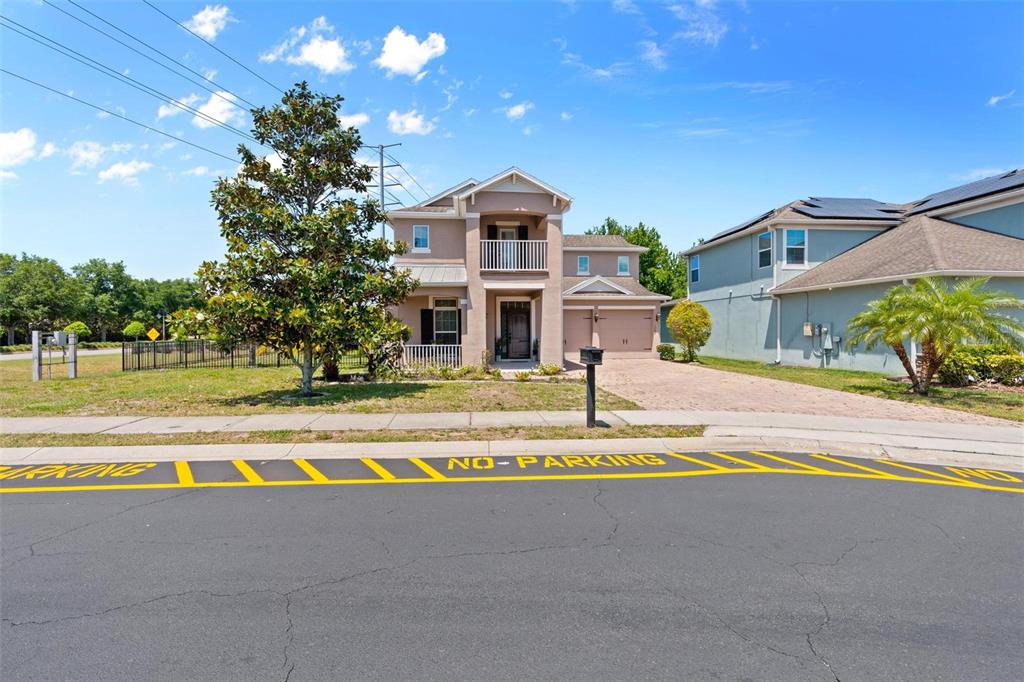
153	334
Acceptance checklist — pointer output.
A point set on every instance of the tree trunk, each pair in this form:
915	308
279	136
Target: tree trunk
10	336
932	362
307	370
103	333
901	353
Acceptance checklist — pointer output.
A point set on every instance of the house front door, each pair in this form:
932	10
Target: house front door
518	322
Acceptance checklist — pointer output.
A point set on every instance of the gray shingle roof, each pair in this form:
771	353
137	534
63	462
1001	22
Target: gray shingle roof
599	240
972	190
919	245
630	284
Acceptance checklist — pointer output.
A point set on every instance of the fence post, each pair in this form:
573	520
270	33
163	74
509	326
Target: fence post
72	355
186	352
123	363
37	355
154	353
232	357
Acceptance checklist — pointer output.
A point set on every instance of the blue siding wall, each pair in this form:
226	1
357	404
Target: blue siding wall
1006	220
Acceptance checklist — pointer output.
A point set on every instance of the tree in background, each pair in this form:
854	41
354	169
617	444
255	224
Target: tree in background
8	312
164	297
81	329
941	317
661	270
36	293
690	325
109	294
134	329
303	273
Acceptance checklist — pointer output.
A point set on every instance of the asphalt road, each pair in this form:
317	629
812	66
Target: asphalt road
749	576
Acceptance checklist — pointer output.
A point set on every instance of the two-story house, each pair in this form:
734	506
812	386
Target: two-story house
498	274
782	287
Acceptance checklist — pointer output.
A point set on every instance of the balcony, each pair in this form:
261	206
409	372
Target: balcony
514	255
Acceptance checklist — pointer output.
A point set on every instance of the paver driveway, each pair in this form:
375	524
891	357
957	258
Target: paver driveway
660	385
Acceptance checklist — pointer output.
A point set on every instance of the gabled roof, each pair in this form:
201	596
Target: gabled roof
972	190
597	285
514	173
599	241
919	246
424	205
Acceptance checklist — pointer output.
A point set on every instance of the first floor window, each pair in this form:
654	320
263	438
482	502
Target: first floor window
694	268
421	237
446	321
623	265
796	247
582	265
764	249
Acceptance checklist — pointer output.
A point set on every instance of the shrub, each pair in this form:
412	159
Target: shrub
690	325
446	373
548	369
666	351
1007	369
523	376
135	329
79	328
964	366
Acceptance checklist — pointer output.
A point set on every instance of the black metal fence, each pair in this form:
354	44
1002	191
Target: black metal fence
142	355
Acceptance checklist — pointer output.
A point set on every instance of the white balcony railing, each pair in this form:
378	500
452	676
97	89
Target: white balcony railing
437	355
514	254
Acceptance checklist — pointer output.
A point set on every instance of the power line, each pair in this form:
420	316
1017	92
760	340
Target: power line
398	182
183	26
113	73
411	176
200	83
121	116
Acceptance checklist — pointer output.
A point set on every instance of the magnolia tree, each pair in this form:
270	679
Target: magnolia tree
303	272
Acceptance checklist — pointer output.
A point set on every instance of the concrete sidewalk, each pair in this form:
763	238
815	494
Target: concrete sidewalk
27	354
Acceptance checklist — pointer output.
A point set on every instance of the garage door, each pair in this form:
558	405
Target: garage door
625	333
576	328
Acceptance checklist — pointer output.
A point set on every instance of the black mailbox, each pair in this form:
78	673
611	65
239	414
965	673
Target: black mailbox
591	355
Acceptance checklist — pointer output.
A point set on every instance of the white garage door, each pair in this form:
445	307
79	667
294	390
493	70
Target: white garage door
626	333
576	329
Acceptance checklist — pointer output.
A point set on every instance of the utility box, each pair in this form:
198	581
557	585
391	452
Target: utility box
808	329
591	355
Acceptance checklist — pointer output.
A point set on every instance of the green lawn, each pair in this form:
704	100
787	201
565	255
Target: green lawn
1005	405
103	389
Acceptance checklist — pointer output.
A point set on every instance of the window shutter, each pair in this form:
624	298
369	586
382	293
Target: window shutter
522	233
458	328
427	326
492	231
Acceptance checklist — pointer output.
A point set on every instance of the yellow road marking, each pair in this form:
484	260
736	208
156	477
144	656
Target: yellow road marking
378	469
929	473
311	471
184	473
709	465
879	472
427	469
808	467
736	459
250	475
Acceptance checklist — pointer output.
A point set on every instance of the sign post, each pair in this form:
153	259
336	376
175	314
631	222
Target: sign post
591	357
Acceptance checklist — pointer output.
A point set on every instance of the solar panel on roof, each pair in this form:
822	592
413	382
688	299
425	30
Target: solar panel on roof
971	190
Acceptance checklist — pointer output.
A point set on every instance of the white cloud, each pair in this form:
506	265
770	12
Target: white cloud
326	55
981	174
219	108
404	54
565	116
469	112
625	7
700	23
88	154
210	21
409	123
48	150
751	87
528	130
17	147
125	171
600	73
449	93
209	74
198	171
994	100
167	110
517	111
353	120
505	94
754	45
653	55
8	175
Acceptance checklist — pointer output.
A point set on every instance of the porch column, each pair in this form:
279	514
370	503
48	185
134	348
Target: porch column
474	332
551	340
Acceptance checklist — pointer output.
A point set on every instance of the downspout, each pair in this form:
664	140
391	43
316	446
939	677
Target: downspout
913	342
777	301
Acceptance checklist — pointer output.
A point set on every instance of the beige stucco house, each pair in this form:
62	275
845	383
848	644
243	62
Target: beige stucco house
497	273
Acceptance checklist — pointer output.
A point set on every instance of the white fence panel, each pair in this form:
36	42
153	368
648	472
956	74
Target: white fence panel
437	355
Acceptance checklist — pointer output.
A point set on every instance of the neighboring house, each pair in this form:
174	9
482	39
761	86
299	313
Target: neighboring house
782	287
496	273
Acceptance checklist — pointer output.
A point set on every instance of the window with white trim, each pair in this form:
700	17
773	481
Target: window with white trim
796	247
582	265
694	268
446	321
623	265
764	249
421	238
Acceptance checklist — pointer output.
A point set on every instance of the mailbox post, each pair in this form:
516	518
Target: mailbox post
591	356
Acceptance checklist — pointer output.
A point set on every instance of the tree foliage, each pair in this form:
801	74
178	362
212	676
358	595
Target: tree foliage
303	272
81	329
661	271
134	330
941	317
690	325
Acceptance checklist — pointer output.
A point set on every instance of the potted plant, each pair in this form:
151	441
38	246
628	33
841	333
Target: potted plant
500	344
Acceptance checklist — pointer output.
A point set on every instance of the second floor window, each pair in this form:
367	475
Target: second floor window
764	249
796	247
582	265
421	238
623	265
694	268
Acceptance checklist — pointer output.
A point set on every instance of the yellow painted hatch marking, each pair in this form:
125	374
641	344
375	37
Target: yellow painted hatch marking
737	460
884	474
250	474
427	469
378	469
790	462
701	462
311	471
959	481
184	472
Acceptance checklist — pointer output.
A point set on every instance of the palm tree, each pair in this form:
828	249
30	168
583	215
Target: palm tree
942	317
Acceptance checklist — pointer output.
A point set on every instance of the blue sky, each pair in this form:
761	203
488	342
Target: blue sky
691	116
